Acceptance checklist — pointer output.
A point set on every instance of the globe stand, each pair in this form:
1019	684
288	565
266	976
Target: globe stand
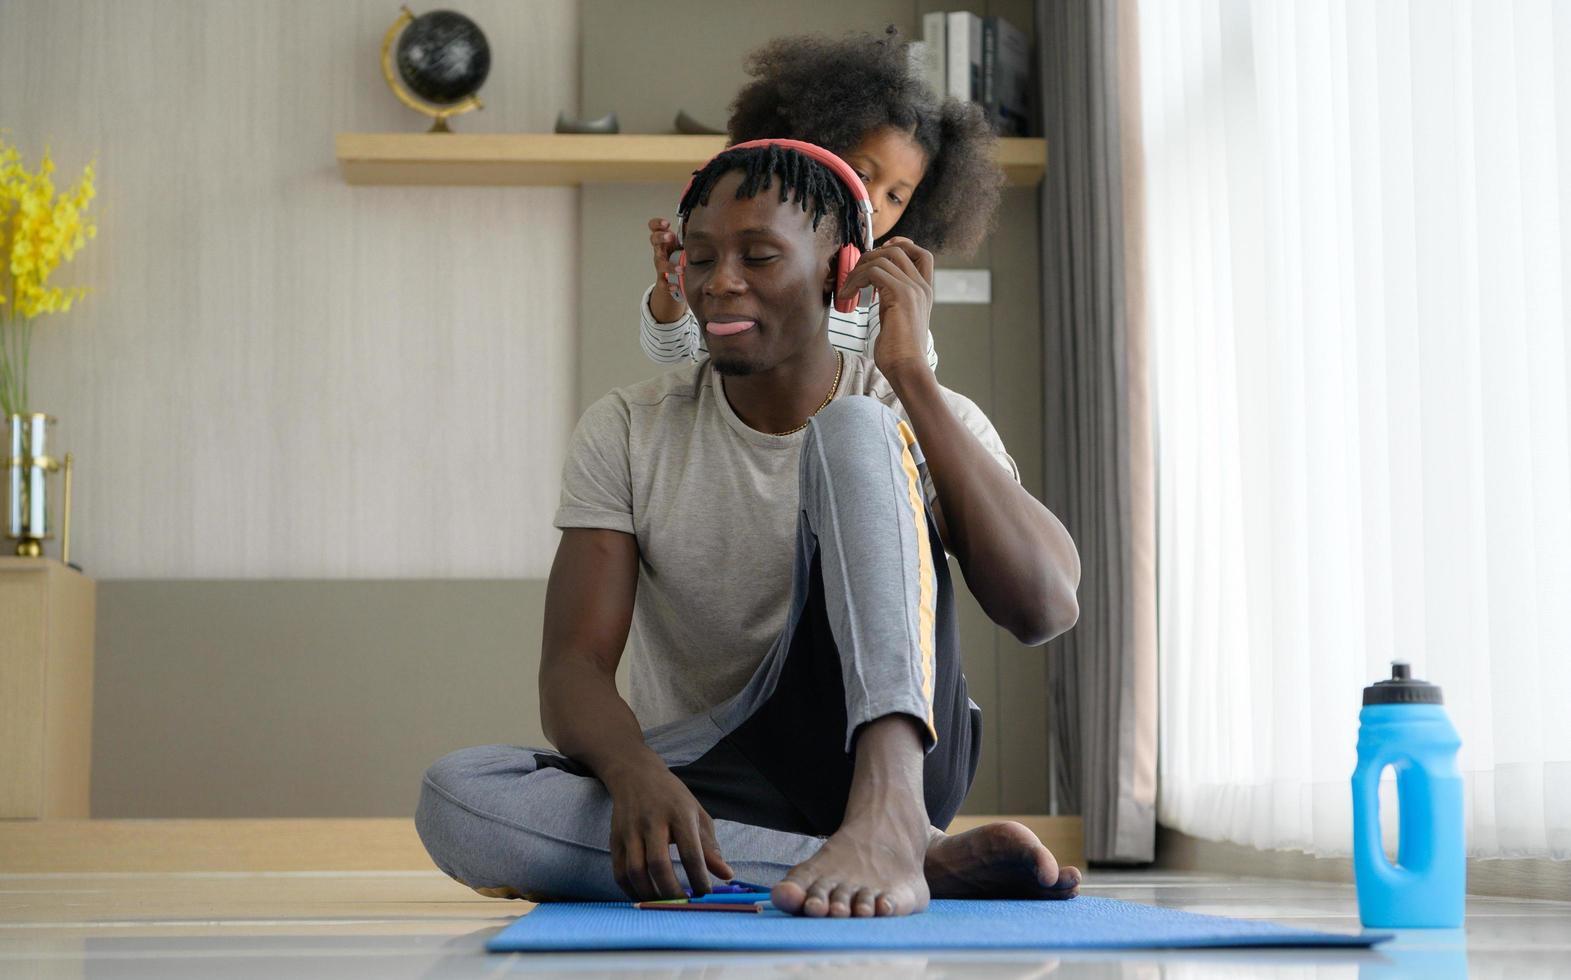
438	114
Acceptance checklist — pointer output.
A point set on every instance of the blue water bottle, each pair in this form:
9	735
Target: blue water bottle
1403	725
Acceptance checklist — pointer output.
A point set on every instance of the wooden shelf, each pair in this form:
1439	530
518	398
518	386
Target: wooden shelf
552	159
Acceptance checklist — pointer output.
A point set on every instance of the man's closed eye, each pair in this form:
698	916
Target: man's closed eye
700	263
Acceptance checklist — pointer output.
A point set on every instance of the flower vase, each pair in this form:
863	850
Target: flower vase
28	465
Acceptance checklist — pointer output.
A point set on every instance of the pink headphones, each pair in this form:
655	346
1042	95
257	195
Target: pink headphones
848	256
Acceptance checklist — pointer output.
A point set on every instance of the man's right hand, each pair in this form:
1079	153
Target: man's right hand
588	610
651	810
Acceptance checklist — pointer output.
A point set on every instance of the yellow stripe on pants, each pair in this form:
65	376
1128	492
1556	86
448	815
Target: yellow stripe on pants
925	575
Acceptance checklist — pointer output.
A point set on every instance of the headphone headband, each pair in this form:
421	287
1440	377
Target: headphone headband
841	169
845	257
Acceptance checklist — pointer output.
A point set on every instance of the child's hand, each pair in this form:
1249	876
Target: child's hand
666	302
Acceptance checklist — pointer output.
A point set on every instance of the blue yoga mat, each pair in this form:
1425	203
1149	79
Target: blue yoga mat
1080	923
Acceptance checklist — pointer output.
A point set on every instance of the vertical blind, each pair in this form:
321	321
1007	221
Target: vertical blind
1357	254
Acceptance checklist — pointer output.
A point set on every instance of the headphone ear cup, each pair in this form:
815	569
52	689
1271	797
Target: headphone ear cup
845	260
680	280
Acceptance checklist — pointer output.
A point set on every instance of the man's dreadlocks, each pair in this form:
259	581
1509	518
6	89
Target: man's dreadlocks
794	173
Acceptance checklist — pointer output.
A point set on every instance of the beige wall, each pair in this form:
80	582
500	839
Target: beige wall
278	375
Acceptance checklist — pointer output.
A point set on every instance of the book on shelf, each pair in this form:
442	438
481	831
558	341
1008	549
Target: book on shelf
963	56
986	60
1006	77
934	45
919	57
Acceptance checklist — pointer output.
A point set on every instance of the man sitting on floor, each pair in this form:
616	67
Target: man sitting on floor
763	532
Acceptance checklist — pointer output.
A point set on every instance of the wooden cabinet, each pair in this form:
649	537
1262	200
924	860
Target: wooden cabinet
47	613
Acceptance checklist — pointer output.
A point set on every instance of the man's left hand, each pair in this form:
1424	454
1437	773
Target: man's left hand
902	273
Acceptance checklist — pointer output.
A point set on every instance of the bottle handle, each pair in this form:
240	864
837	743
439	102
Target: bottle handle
1368	785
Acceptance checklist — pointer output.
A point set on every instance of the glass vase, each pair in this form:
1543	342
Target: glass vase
28	465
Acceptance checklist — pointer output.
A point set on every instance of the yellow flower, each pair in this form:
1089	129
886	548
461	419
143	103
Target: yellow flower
40	228
46	229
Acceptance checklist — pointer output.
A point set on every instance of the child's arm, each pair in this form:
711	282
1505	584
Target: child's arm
666	343
667	329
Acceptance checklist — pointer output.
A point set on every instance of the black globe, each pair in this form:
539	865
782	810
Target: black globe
443	57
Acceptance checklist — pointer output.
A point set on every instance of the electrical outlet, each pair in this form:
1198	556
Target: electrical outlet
962	285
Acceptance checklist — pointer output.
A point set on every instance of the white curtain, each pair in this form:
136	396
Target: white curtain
1359	220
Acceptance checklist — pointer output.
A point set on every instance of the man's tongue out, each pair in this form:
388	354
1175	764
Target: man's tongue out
725	328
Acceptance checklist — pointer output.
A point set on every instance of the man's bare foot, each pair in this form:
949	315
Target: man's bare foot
872	865
999	860
866	868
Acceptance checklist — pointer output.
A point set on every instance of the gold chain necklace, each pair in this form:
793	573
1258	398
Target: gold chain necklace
840	361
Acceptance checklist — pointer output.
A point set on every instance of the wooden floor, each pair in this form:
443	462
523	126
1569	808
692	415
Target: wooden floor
420	924
339	922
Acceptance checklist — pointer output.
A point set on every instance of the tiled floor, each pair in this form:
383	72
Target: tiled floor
419	924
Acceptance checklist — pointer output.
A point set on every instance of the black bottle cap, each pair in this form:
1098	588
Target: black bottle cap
1402	688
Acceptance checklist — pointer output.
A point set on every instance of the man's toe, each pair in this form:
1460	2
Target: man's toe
817	903
1067	885
862	906
788	895
840	900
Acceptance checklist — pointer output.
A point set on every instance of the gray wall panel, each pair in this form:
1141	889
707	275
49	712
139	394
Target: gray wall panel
303	698
687	54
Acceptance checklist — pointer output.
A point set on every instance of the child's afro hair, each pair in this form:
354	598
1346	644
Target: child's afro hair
834	92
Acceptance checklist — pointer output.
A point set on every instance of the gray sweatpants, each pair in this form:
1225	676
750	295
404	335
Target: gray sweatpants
870	633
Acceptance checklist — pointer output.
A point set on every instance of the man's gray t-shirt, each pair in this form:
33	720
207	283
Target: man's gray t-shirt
713	505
